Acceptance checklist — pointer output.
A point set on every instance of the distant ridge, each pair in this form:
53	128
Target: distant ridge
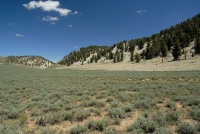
2	59
30	61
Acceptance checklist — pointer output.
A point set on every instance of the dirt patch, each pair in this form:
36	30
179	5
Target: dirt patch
128	121
30	124
179	105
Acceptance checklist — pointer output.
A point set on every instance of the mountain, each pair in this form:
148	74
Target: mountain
31	61
2	59
173	41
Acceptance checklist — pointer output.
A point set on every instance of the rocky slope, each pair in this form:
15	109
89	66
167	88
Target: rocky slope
31	61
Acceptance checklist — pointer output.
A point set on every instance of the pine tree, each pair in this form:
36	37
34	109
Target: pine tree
110	55
96	59
176	51
118	57
115	59
132	56
122	56
126	48
92	59
98	56
163	50
143	54
169	43
149	52
197	46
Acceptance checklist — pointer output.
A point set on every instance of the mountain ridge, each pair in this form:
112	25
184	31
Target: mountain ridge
171	41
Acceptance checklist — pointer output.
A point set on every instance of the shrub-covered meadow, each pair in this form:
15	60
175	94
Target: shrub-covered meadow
49	101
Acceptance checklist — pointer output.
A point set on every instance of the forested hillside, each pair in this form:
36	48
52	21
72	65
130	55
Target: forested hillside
94	52
172	40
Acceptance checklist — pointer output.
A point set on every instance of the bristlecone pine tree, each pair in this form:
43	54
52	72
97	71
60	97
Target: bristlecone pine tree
176	51
197	46
132	56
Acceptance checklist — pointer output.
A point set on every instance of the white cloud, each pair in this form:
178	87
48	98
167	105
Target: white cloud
47	6
50	18
19	35
75	47
76	12
141	11
70	26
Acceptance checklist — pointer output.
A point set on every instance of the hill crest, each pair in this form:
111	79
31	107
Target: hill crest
30	61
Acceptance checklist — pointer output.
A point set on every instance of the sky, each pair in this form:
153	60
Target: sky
54	28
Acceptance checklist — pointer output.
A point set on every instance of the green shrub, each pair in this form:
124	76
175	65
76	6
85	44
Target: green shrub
111	130
80	93
116	121
109	99
100	96
193	101
35	112
23	119
55	118
162	130
186	128
69	99
91	103
78	130
47	131
13	114
127	108
97	111
144	104
55	95
171	105
68	116
159	118
123	96
9	129
82	114
114	104
96	125
198	126
143	124
69	106
116	113
41	121
172	116
100	104
195	114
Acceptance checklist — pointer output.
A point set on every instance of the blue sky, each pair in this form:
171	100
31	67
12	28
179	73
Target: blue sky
53	29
